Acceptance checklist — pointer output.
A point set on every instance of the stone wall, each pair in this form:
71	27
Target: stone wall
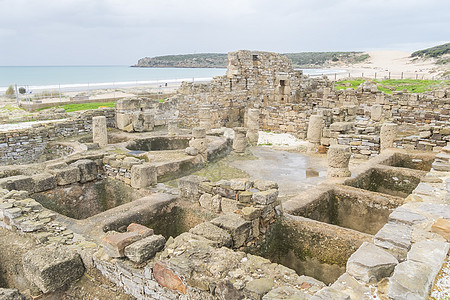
28	145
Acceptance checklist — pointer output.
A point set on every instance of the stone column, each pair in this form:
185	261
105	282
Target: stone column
240	140
376	112
149	121
172	127
338	158
388	133
253	126
199	141
99	133
314	133
204	116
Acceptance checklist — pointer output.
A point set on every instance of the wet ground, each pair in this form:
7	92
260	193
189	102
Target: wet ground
294	172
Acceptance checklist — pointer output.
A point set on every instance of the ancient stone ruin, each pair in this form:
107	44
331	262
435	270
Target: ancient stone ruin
106	203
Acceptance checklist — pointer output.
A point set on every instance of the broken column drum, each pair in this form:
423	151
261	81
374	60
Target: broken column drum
240	140
199	140
388	133
99	133
338	158
172	127
314	133
204	116
253	126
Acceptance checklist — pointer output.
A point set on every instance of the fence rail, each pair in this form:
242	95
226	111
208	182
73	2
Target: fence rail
380	75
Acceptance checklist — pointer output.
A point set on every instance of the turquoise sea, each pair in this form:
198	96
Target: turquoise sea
76	77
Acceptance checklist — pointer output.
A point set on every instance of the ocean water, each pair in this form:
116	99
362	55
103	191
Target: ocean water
79	77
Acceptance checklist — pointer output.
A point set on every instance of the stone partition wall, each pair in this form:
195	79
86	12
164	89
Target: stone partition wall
27	145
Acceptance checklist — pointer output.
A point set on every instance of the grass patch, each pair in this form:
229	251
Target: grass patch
11	108
82	106
161	100
389	85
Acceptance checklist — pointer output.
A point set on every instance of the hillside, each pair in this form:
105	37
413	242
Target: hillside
436	51
219	60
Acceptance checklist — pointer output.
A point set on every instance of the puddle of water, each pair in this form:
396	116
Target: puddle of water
294	172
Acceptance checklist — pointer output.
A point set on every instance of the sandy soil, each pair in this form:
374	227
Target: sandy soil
391	64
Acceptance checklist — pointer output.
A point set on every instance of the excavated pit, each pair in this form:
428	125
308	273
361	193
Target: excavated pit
392	181
351	208
421	161
83	200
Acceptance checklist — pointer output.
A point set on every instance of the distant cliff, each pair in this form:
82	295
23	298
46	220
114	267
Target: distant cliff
219	60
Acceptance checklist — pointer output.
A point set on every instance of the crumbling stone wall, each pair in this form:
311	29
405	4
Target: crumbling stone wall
27	145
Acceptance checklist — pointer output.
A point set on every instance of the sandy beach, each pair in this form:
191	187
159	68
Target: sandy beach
390	64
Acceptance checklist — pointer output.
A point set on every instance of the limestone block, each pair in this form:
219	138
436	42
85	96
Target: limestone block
99	131
341	126
411	280
223	188
429	252
144	249
67	175
123	120
143	176
396	238
251	213
204	116
314	133
149	121
189	187
347	285
245	197
198	133
402	215
376	112
252	136
240	184
257	288
200	144
286	293
240	140
264	185
236	226
18	182
172	127
167	278
442	227
213	233
51	268
43	182
114	245
210	202
265	197
228	206
10	294
370	263
388	133
88	169
192	151
142	230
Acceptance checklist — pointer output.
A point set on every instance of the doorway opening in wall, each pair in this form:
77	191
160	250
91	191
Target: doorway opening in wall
255	57
282	85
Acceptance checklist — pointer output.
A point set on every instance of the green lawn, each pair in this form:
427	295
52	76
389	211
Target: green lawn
83	106
389	85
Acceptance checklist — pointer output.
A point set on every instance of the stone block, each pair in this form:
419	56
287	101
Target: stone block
213	233
429	252
210	202
286	293
88	169
51	268
370	263
114	245
264	185
99	131
228	206
143	176
200	144
265	197
240	184
123	120
142	230
396	238
245	197
347	285
19	183
44	182
404	216
251	213
236	226
257	288
10	294
167	278
442	227
66	176
144	249
189	187
411	280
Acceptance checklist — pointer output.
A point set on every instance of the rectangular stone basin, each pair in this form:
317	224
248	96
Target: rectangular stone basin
416	161
393	181
310	247
83	200
351	207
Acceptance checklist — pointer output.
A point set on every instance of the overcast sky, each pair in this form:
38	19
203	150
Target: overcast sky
119	32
